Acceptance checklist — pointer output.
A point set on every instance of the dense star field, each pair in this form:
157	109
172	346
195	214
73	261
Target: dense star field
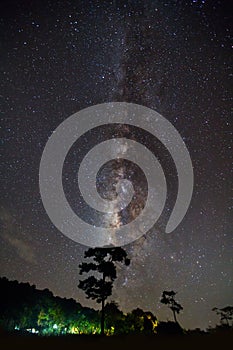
58	58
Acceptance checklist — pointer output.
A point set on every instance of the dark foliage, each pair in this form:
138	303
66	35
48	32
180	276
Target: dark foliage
169	328
24	307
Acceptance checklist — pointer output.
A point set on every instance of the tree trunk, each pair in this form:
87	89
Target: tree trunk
102	311
102	317
174	314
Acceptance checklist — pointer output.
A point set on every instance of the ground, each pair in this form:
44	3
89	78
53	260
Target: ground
116	342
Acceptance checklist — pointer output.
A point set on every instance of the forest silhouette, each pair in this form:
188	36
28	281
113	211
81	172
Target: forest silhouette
29	312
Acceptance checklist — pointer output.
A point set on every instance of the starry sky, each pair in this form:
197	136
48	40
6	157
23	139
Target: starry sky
58	58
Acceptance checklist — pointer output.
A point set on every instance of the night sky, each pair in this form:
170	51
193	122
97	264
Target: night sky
59	57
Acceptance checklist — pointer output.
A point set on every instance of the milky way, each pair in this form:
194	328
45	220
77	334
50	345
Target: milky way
172	56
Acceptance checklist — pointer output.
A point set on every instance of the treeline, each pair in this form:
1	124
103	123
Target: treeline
24	308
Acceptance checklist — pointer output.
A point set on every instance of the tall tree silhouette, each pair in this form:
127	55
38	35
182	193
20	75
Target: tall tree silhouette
103	262
168	299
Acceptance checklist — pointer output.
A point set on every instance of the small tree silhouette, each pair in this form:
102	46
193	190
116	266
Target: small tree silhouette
103	262
168	299
226	314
